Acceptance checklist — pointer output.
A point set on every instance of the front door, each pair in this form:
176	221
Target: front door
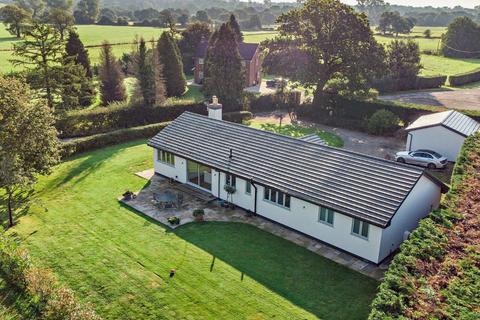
199	175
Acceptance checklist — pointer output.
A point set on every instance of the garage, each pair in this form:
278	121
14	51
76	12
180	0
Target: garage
443	132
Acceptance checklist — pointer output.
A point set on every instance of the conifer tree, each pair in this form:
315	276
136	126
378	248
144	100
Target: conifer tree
235	28
224	73
149	75
169	57
111	77
75	48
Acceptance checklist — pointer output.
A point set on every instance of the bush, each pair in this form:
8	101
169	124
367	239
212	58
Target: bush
98	141
174	220
464	78
198	212
237	117
44	297
382	122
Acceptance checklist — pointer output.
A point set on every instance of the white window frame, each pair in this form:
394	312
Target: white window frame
327	212
230	180
277	202
166	157
360	229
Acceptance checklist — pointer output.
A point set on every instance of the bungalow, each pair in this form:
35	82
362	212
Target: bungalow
357	203
443	132
250	53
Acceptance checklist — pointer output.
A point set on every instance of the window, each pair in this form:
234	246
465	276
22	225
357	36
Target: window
248	188
230	180
200	61
325	216
277	197
165	157
360	228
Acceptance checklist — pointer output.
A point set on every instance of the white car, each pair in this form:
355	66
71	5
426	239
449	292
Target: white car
425	158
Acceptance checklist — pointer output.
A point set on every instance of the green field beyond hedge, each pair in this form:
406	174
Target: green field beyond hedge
95	35
119	260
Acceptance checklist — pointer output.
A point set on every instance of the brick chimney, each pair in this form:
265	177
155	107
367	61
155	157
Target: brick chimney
215	109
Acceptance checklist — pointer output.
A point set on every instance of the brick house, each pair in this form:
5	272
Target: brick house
250	60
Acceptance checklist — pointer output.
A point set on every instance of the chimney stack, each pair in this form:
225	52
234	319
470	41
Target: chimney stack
215	109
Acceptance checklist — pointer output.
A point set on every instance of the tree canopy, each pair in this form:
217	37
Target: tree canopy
331	46
28	143
14	18
462	39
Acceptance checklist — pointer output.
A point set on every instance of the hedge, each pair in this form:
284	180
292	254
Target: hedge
353	114
37	293
105	119
464	78
419	83
410	280
83	144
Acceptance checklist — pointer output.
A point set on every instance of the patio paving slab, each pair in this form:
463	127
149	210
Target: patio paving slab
197	199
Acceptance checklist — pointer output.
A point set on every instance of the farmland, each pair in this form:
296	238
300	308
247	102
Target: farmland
94	35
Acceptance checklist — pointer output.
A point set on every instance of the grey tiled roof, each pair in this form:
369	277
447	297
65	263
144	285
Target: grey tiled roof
453	120
361	186
313	138
247	50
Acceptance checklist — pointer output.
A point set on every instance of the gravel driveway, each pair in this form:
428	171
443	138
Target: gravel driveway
465	99
357	141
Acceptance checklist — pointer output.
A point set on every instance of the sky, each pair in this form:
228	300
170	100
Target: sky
433	3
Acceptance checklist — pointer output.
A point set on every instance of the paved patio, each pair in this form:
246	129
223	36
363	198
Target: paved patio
196	199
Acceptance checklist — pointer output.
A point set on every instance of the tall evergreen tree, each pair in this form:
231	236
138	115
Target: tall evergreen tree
235	28
111	76
41	53
75	48
169	57
224	73
151	85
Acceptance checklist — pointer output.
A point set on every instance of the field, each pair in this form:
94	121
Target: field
94	35
119	260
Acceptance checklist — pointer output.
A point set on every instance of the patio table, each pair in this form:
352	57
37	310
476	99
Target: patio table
165	199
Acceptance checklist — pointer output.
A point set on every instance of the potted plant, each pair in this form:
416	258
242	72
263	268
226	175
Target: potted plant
174	220
198	214
230	191
128	195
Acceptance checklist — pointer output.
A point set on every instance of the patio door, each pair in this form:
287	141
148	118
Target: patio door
199	175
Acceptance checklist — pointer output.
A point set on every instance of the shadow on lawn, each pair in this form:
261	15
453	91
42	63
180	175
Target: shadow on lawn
92	162
309	281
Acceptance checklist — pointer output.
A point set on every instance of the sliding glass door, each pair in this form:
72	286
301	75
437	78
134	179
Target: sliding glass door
199	175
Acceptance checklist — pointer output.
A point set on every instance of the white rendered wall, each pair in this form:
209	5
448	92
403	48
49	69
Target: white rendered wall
424	197
439	139
177	172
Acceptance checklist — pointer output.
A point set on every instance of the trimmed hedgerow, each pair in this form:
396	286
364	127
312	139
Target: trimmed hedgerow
97	141
354	114
403	84
464	78
436	274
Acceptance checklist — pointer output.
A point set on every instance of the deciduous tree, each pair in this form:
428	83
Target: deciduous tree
169	56
190	39
14	18
111	76
462	39
35	7
336	45
87	11
60	19
28	143
224	73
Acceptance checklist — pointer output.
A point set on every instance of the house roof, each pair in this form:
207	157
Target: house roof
452	120
313	138
365	187
247	50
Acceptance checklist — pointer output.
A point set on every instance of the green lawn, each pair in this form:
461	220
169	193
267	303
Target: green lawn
296	131
119	260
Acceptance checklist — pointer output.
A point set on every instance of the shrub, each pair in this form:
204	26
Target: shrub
237	117
402	84
174	220
198	212
382	122
464	78
98	141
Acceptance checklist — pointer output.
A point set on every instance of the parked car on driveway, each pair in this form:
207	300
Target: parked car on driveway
425	158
